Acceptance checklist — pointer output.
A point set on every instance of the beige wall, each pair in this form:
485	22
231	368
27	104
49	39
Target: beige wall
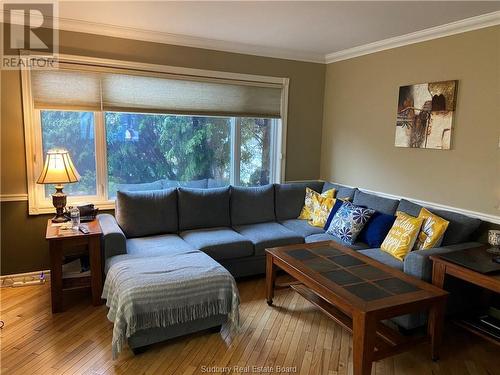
357	143
360	113
23	246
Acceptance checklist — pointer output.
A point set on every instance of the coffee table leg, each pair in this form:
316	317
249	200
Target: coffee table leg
270	278
363	343
435	327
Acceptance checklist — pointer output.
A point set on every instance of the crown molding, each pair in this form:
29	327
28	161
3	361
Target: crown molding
457	27
88	27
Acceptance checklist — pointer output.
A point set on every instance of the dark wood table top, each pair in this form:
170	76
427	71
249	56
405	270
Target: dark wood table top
362	282
455	264
476	259
54	231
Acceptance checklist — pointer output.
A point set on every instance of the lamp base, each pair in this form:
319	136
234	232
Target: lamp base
60	219
59	202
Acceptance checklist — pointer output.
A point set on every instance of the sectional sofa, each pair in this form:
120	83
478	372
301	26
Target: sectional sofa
234	225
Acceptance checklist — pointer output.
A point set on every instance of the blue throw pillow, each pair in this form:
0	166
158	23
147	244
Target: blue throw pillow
335	208
375	231
349	221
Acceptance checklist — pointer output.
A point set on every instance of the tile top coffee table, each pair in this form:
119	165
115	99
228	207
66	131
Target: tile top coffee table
358	293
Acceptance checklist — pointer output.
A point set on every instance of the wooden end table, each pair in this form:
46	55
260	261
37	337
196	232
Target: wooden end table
358	292
70	242
442	267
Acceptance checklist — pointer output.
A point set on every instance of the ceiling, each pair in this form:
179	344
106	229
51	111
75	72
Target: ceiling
304	30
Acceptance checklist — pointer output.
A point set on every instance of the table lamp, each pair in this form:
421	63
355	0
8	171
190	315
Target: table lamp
494	240
58	169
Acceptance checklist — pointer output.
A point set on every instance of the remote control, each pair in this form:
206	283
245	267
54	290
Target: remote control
84	229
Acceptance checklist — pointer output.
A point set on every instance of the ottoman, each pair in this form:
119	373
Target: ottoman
157	298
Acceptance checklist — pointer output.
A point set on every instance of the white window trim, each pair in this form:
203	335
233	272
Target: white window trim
39	204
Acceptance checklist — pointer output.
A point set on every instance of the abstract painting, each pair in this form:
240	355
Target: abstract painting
425	115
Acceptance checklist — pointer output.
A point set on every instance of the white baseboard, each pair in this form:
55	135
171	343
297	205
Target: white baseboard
9	280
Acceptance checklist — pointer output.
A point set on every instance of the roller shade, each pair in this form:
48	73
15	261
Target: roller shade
139	93
111	91
66	89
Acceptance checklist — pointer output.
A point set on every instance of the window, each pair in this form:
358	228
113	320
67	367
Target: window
256	135
73	131
164	150
152	130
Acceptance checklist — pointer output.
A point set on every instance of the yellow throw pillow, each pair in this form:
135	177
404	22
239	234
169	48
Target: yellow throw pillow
321	209
432	231
308	209
402	236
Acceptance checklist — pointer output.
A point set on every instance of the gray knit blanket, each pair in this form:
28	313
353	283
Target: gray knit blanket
144	293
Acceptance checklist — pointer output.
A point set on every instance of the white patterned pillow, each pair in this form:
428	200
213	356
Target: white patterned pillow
349	221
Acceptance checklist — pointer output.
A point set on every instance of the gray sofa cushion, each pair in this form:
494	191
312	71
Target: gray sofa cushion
460	229
328	237
264	235
383	257
251	205
301	227
144	213
289	198
155	185
409	207
375	202
418	264
113	238
163	244
151	246
342	191
203	208
219	243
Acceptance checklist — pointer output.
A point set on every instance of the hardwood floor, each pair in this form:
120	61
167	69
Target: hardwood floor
290	334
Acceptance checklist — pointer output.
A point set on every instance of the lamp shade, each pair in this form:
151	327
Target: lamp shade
58	168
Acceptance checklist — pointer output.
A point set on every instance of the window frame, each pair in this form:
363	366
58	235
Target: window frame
39	204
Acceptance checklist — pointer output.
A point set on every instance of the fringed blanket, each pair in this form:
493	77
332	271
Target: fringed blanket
144	293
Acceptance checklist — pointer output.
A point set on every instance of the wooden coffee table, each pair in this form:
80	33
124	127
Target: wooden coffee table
358	293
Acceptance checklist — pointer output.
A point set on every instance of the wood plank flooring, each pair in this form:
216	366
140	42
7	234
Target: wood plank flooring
292	334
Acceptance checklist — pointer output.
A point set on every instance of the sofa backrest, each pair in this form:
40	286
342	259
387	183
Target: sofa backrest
342	191
250	205
203	208
289	198
385	205
460	229
145	213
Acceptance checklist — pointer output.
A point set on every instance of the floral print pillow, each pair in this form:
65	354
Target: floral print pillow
309	202
349	221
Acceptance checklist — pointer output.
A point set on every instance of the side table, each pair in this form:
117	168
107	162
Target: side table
71	242
443	267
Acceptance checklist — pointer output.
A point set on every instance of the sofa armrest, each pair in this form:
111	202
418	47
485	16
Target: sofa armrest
114	240
418	264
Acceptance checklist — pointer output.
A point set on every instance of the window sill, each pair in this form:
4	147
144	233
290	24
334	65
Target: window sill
46	209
